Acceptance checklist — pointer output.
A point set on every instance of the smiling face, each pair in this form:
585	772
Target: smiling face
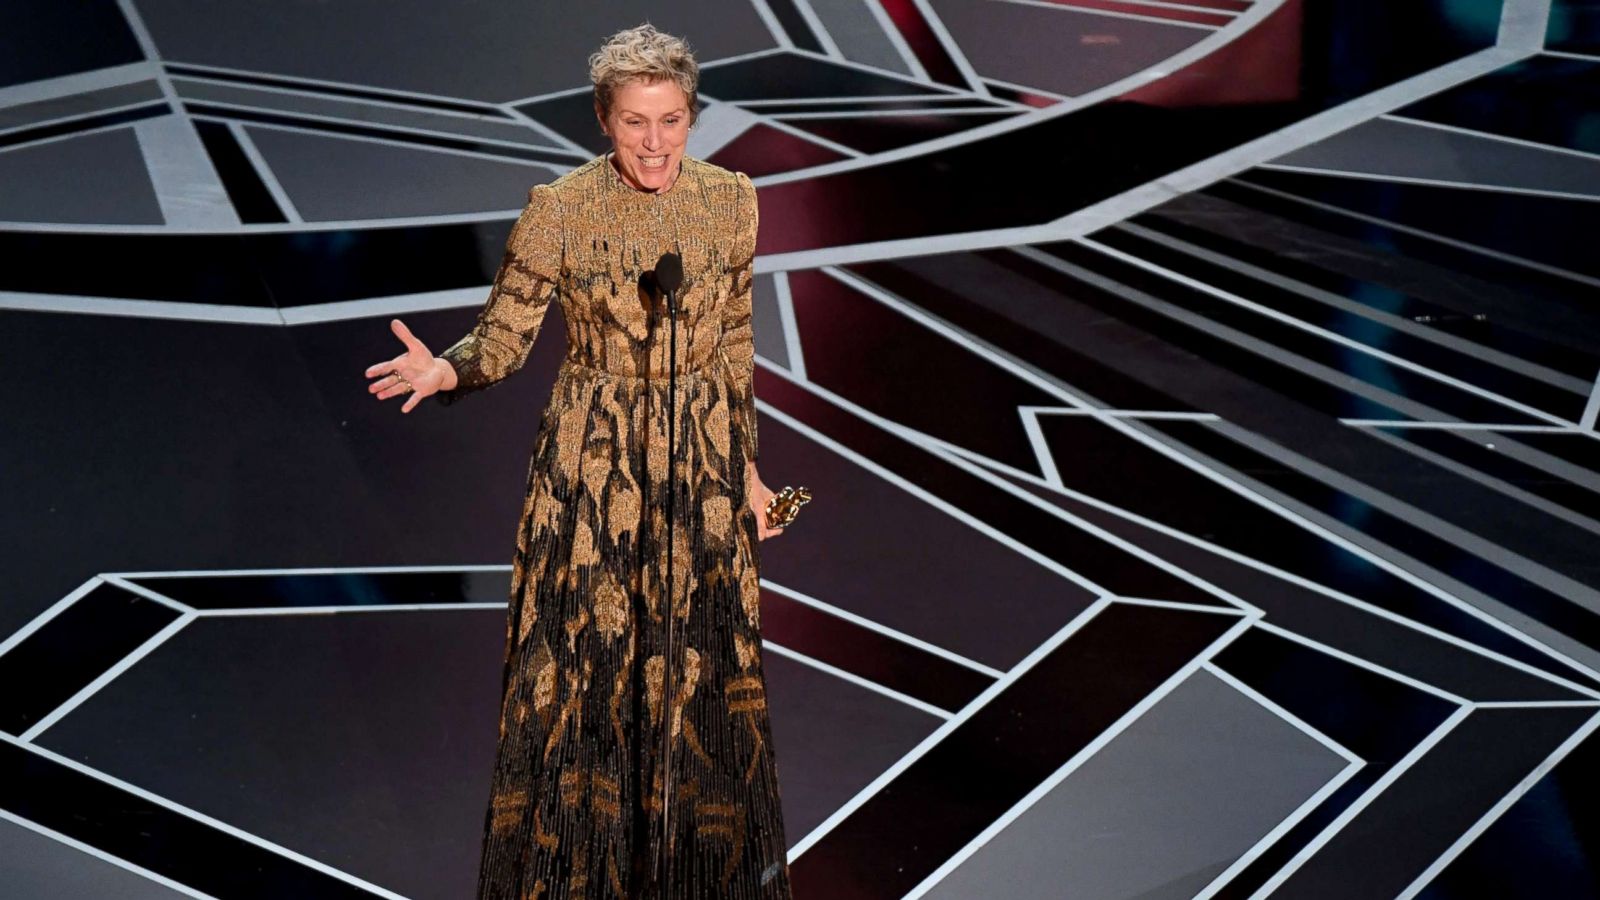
649	127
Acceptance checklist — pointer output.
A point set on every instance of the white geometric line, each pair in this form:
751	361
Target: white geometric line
1462	426
1527	498
791	326
950	333
1496	811
1491	136
1293	720
1184	7
1422	233
280	195
898	42
56	138
817	29
77	83
1188	607
1271	837
888	113
1290	577
769	19
808	136
1591	410
141	309
148	594
81	115
1041	447
391	128
1149	414
1299	324
1567	54
866	101
1026	89
1431	182
951	48
943	449
1339	301
1044	4
1523	24
1155	72
1530	570
103	856
318	570
43	618
554	135
201	817
1366	799
1138	434
882	629
108	676
240	612
1122	724
1370	666
915	490
1535	704
1134	200
334	89
938	734
855	679
484	113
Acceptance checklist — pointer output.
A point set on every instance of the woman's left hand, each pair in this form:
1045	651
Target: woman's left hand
759	495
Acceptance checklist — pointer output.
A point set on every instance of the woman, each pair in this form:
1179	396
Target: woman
579	801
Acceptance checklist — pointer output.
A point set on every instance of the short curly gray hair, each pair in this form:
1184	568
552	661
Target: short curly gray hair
644	53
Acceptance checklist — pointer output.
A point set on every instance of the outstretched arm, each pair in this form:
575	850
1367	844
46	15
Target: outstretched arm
509	322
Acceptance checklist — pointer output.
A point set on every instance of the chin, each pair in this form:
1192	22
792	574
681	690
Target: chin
654	177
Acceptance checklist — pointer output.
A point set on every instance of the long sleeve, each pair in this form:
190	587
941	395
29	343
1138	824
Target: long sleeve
523	287
738	344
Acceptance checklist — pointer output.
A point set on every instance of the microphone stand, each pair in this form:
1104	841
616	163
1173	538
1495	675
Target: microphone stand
666	669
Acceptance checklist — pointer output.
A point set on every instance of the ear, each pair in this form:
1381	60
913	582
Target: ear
601	118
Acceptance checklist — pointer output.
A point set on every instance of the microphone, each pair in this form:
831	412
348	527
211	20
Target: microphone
669	277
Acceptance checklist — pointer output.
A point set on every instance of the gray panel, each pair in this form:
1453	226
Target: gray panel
41	868
334	178
768	327
494	51
1045	48
361	111
1401	149
857	33
363	740
97	178
831	738
1180	795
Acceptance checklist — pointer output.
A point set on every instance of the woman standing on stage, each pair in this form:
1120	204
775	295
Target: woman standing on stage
623	770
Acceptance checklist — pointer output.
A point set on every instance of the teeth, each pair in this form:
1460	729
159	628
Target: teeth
653	161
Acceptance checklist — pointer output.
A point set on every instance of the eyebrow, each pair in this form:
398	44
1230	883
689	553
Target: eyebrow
628	112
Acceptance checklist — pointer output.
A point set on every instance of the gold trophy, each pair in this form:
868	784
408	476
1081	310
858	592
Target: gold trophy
785	505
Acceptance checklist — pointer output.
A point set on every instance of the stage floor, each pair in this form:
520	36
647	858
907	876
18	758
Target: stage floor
1199	400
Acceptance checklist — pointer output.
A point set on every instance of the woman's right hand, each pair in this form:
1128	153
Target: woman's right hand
417	365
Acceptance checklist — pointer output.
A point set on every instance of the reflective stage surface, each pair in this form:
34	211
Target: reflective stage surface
1199	400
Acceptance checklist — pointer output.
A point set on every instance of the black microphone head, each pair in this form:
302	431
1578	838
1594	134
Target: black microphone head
669	272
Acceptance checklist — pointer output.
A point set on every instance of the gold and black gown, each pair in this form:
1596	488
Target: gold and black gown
576	801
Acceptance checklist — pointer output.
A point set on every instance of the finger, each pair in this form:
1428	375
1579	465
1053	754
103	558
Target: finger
405	335
411	403
383	368
388	380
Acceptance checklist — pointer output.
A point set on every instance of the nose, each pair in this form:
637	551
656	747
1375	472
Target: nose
652	138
